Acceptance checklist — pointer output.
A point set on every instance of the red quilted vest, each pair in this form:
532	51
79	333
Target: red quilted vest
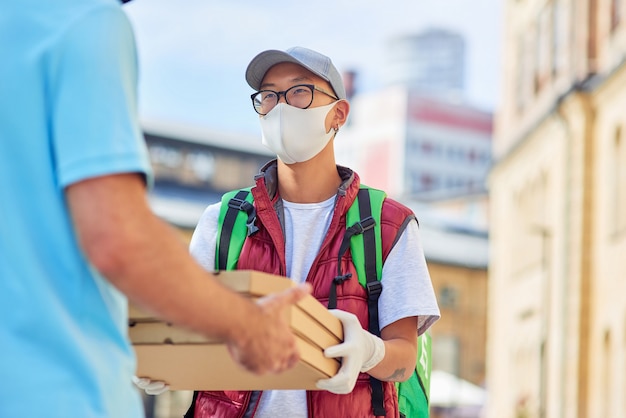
265	251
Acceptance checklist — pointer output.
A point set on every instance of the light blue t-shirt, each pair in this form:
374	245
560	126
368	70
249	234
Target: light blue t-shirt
68	85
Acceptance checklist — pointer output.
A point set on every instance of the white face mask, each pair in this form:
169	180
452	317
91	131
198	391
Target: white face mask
296	135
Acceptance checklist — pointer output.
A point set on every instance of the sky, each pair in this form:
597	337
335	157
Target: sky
193	53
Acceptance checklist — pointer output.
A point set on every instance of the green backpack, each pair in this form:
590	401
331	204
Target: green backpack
363	237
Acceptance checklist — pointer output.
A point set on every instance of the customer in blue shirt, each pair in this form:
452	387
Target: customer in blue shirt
76	232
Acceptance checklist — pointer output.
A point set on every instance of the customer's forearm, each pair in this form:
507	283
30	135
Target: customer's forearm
159	275
144	257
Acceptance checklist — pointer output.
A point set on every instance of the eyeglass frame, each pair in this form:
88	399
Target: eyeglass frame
313	88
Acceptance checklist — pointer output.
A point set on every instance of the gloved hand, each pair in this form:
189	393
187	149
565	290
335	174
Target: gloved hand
360	351
152	387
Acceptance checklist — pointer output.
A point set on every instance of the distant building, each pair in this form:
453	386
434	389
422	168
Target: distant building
416	146
417	137
193	167
432	62
457	255
557	273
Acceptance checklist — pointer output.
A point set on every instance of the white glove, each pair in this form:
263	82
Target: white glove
360	351
152	387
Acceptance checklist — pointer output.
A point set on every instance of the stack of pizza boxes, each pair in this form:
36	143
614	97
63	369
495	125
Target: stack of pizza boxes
189	361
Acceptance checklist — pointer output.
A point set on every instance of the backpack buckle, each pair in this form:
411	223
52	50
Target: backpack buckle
240	204
361	226
252	228
374	289
245	206
342	278
366	224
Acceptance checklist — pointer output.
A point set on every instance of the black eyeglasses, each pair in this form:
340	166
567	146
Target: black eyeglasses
300	95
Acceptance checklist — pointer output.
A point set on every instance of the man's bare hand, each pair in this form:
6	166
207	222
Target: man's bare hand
267	344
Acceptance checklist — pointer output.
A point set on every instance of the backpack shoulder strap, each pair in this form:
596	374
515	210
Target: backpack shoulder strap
362	236
366	249
236	211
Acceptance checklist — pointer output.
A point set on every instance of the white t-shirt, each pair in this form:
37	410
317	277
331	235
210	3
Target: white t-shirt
407	288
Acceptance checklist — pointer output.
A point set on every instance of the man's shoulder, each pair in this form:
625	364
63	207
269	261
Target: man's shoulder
392	209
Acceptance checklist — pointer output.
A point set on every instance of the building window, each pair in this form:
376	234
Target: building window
448	297
623	355
525	67
619	182
446	354
561	36
543	57
616	14
607	367
472	155
427	181
519	75
531	209
594	36
558	38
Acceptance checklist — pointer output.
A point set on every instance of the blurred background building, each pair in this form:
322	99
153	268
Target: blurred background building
417	146
557	317
193	167
418	137
431	61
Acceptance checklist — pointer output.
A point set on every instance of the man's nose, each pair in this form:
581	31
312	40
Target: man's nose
282	95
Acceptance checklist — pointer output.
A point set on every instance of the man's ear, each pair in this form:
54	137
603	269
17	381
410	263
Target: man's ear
342	109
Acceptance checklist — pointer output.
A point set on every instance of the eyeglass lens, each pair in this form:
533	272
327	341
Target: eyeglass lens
298	96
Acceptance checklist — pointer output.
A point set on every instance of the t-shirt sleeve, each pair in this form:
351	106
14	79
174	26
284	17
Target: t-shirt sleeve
93	99
407	287
204	238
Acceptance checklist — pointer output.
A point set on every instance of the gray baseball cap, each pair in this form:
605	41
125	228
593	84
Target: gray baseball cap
313	61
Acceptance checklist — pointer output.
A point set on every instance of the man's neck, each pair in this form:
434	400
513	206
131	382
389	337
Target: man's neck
312	181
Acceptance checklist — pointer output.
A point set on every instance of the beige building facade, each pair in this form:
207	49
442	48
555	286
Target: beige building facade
459	336
557	273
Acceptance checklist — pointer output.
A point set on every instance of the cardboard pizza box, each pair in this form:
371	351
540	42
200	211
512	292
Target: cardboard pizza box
210	367
303	323
189	361
311	316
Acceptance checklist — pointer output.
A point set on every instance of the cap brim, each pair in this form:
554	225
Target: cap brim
264	61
